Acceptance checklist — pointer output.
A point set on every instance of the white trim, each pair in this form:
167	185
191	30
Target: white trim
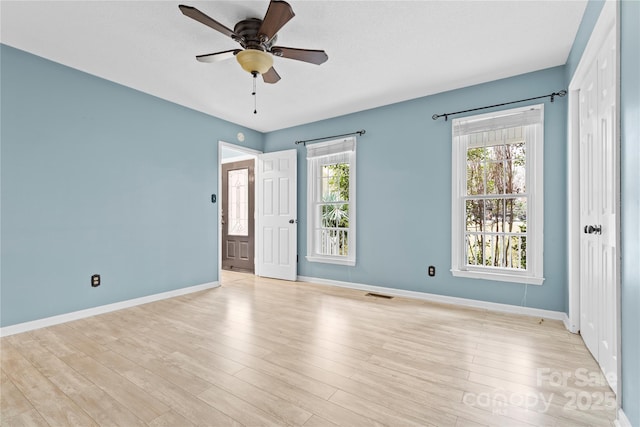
238	148
500	277
465	302
568	326
622	420
81	314
237	159
331	260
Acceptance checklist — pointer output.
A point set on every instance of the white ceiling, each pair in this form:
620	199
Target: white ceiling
380	52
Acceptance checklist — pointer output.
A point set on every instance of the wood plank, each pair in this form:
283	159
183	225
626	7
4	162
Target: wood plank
128	394
180	401
12	401
170	419
377	412
334	413
51	403
238	408
30	418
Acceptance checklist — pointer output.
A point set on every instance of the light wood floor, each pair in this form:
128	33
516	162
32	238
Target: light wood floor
266	352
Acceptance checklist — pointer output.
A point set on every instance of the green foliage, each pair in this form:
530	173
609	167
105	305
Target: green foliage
523	247
335	207
334	191
337	180
334	214
497	168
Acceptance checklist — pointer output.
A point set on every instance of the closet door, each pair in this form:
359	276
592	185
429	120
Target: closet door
599	202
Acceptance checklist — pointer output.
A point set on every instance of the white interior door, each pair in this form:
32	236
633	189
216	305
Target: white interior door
589	266
599	201
277	215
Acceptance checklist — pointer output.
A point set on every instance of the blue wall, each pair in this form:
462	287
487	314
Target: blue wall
589	19
404	193
99	178
630	180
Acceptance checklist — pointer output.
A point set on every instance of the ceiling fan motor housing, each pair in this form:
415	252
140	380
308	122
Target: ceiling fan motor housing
249	38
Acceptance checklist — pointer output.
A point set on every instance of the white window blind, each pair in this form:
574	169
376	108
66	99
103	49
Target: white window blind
328	148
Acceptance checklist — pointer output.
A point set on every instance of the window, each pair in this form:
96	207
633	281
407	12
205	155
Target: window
331	206
497	200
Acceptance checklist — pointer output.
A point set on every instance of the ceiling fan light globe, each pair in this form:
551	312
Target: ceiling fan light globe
254	61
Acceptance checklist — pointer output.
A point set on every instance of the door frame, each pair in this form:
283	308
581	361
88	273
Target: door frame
609	18
250	153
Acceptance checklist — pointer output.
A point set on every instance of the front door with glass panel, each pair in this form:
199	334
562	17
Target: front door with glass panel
238	216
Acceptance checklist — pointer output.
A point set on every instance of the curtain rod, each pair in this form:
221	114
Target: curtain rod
359	132
551	95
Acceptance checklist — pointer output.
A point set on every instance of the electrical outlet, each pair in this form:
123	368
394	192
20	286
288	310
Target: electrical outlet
95	280
432	271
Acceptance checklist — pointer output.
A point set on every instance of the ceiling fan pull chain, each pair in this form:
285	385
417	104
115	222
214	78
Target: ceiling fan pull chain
255	97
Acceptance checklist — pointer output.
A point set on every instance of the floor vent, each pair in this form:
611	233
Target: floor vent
378	296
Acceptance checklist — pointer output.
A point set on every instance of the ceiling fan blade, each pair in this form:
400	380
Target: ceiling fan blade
218	56
194	13
307	55
278	14
271	76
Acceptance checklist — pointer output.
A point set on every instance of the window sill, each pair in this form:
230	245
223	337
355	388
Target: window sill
331	260
501	277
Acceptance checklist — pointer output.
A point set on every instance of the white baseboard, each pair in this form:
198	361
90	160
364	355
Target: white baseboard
492	306
569	325
81	314
622	420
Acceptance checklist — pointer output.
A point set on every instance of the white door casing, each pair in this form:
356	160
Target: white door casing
276	239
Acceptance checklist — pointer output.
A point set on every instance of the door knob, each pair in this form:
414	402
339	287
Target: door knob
593	229
292	221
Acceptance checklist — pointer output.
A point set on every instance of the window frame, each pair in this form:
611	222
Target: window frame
534	184
321	153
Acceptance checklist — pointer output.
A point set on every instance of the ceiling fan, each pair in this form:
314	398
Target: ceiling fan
257	38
